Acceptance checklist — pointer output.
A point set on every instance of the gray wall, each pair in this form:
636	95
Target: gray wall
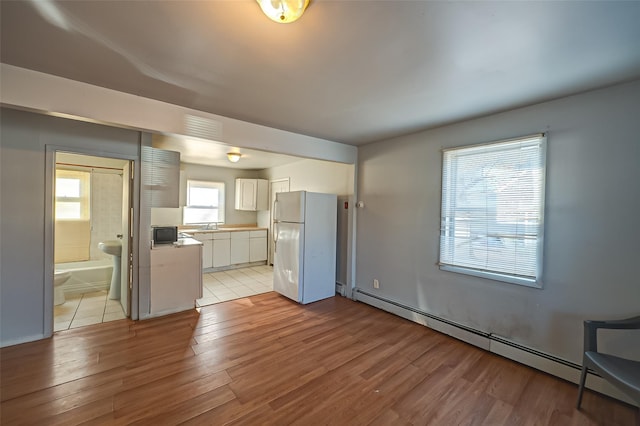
23	138
592	234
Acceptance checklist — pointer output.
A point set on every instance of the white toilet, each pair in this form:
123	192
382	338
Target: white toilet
59	278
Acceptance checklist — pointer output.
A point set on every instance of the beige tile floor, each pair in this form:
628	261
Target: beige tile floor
235	283
86	309
94	308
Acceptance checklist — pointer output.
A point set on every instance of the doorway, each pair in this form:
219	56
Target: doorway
275	186
92	239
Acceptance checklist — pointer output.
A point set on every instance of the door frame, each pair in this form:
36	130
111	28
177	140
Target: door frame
49	225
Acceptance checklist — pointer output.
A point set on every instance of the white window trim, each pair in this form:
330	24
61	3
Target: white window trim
497	276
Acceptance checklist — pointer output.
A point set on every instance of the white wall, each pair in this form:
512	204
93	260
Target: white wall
106	210
311	175
591	248
315	176
23	140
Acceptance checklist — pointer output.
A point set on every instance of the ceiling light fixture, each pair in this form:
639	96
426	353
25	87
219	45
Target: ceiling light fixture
283	11
234	157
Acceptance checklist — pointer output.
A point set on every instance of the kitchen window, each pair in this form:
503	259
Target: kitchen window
492	210
205	202
72	195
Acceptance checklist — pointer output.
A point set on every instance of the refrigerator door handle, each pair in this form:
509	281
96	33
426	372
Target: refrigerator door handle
275	237
275	211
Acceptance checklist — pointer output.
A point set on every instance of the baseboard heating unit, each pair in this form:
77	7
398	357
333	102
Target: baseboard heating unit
499	345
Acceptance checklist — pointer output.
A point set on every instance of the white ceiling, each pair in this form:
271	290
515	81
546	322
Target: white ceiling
348	71
210	153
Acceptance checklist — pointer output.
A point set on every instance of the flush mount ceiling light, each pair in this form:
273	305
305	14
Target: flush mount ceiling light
234	157
283	11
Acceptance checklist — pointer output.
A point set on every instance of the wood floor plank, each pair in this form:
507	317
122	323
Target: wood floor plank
267	360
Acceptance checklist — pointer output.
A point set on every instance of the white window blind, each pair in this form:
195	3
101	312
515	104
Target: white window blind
205	202
492	210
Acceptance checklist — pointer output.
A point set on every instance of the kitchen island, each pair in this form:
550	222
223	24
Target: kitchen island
176	276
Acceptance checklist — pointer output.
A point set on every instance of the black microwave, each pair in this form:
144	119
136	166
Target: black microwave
165	234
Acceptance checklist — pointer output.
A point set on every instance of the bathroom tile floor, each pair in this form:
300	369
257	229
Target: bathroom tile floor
86	309
94	308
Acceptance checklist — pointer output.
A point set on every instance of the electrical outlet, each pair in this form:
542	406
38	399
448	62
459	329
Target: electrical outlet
376	284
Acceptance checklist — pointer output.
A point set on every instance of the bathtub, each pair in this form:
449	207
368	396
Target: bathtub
87	276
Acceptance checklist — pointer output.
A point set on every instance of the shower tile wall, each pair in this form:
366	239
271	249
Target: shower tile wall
106	210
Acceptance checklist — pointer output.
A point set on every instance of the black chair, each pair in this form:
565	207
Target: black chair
622	373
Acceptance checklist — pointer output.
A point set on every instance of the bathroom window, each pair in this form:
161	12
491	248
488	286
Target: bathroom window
205	202
492	210
72	195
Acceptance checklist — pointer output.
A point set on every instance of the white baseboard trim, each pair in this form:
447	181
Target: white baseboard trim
235	266
499	345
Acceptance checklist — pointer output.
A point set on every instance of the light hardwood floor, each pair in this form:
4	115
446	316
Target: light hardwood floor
267	360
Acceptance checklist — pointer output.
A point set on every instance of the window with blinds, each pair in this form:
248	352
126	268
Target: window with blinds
492	210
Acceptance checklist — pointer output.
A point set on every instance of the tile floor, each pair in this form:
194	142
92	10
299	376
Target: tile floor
94	308
235	283
86	309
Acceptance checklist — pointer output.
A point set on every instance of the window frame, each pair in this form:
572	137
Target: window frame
220	207
535	282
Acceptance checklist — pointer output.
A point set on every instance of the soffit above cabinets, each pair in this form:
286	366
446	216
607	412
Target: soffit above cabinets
211	153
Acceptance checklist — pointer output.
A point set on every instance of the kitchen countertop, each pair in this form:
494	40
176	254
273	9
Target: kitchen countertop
182	242
230	229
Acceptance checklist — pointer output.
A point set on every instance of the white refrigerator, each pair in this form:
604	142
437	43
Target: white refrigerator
304	267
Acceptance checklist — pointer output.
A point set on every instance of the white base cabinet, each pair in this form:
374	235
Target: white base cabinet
207	254
257	246
176	278
207	248
240	247
221	249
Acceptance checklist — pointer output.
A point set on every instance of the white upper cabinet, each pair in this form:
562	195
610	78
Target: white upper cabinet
252	194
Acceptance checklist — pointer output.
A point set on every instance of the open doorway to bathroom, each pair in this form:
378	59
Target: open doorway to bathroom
92	240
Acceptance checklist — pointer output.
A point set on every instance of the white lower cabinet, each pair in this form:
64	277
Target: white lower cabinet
207	254
257	246
240	247
221	249
176	278
207	248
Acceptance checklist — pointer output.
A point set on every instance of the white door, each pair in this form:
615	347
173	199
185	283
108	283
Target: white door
126	258
275	186
288	265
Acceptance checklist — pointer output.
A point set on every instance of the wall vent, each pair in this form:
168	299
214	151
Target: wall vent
204	128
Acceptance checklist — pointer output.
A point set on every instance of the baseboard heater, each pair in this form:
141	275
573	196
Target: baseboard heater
494	343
